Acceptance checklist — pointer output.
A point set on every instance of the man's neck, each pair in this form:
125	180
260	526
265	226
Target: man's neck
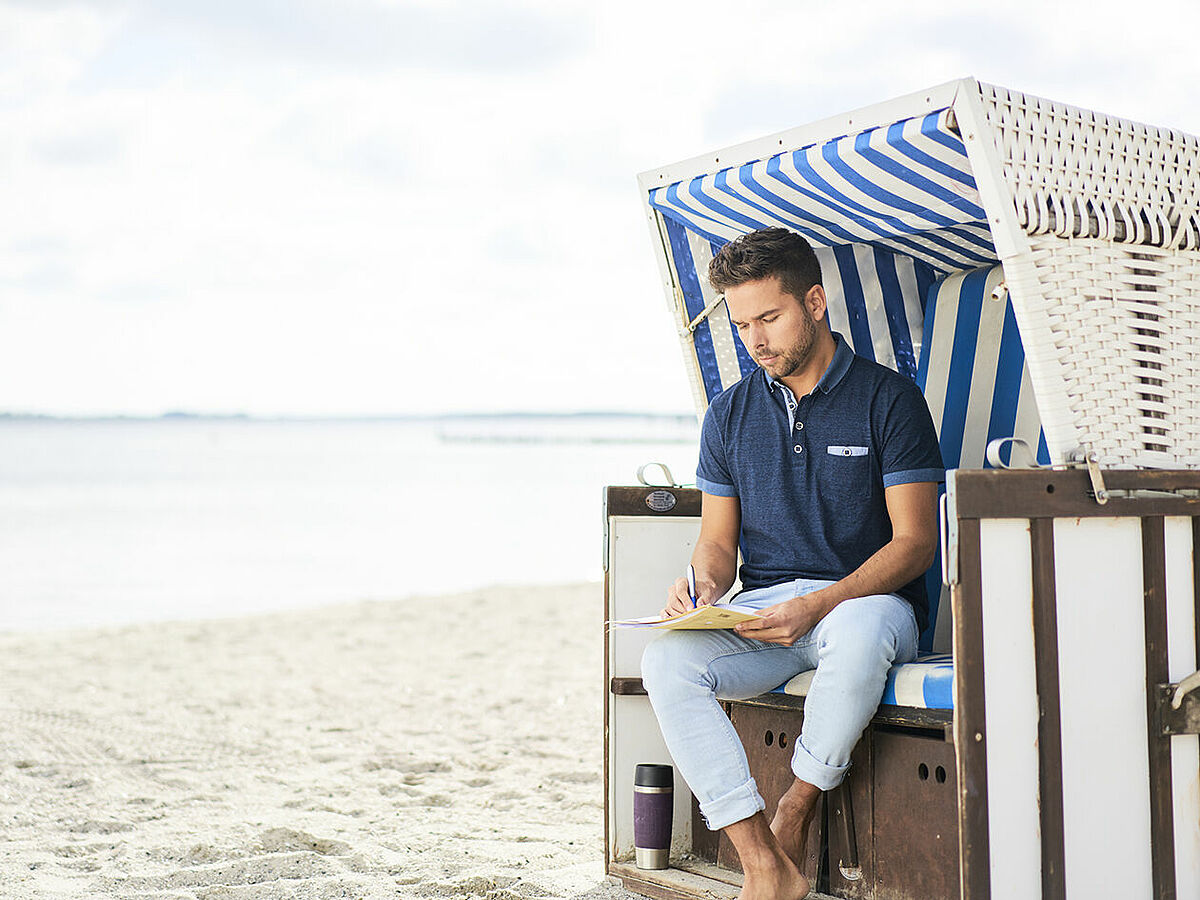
803	381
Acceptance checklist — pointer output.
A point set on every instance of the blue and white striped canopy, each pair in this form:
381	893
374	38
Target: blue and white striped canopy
905	187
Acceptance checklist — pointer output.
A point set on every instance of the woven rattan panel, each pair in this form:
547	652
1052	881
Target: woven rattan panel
1076	173
1116	328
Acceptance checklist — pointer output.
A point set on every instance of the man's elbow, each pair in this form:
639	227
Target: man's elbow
923	551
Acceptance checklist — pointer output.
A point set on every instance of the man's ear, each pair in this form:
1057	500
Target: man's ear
816	302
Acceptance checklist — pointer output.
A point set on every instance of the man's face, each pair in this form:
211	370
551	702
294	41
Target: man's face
778	329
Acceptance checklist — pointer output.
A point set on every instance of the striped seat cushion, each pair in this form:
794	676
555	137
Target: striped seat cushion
927	683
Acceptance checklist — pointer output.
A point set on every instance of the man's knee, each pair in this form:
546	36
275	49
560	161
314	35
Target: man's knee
675	658
661	662
653	664
870	636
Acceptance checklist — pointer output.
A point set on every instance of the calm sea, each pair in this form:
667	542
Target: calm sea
116	522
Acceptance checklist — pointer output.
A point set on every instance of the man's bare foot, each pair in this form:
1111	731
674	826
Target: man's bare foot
779	882
792	818
769	873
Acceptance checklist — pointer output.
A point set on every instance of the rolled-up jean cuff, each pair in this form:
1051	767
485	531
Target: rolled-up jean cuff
808	768
740	803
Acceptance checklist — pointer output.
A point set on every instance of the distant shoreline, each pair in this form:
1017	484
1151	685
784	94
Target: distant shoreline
430	418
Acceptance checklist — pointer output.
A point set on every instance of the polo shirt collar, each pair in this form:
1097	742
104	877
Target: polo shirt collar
843	356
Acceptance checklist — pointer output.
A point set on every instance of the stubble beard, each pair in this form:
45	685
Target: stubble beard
797	355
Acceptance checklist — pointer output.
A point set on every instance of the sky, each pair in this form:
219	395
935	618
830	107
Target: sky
388	207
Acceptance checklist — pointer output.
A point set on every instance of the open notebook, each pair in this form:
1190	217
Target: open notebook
704	617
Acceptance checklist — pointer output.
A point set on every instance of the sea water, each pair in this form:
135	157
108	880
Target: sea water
110	522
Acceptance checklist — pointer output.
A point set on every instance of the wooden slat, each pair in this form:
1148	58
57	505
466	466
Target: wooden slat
626	687
1045	653
970	734
677	884
690	880
1162	819
1196	583
631	501
886	714
1014	493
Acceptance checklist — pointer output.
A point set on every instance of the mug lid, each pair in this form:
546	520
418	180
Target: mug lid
654	775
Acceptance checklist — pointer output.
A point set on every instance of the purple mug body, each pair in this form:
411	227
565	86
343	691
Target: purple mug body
653	808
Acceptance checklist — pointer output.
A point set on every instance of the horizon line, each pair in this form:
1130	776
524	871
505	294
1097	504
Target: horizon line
184	415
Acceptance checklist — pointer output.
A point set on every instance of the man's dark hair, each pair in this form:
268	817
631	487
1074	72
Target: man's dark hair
761	254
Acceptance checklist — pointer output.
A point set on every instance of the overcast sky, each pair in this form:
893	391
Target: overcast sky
372	207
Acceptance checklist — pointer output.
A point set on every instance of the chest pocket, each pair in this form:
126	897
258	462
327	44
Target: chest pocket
846	474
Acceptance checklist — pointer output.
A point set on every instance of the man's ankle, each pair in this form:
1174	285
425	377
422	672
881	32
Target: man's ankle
756	844
799	800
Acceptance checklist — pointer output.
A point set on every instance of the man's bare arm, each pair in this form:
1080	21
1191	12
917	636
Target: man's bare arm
913	511
715	555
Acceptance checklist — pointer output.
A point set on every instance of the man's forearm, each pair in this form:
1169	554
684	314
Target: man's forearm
891	567
716	568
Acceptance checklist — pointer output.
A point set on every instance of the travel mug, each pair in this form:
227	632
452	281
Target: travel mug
653	805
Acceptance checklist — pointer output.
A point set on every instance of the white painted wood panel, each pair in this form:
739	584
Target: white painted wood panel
1181	662
645	554
1010	700
1101	652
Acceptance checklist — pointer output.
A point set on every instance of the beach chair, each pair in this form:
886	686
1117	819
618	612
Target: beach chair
1036	269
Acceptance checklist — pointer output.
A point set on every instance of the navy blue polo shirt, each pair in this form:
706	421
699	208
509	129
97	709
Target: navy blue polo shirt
810	471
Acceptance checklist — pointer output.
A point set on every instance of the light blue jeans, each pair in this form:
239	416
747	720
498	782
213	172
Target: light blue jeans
687	672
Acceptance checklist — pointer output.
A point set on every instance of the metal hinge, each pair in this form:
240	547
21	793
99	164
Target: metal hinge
1179	707
1088	458
704	314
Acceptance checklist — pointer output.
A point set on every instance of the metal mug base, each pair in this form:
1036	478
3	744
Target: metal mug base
651	859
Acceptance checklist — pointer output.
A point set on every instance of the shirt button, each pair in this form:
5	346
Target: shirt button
791	405
798	449
799	426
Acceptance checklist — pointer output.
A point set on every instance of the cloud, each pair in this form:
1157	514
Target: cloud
80	148
434	199
159	40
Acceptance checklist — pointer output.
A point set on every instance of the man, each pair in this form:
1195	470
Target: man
822	467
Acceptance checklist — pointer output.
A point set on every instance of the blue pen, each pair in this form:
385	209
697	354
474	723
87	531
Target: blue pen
691	575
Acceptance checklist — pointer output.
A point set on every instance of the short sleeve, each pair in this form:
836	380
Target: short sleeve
909	451
712	471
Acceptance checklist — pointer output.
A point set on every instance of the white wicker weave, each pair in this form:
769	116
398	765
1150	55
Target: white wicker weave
1115	325
1106	288
1077	173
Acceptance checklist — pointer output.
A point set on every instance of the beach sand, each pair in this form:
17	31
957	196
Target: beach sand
444	747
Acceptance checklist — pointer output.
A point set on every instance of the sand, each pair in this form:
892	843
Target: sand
445	747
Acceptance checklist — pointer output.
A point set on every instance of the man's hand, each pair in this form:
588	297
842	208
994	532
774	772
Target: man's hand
787	622
678	601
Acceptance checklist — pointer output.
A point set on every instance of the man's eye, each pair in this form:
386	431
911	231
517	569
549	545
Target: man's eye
772	319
